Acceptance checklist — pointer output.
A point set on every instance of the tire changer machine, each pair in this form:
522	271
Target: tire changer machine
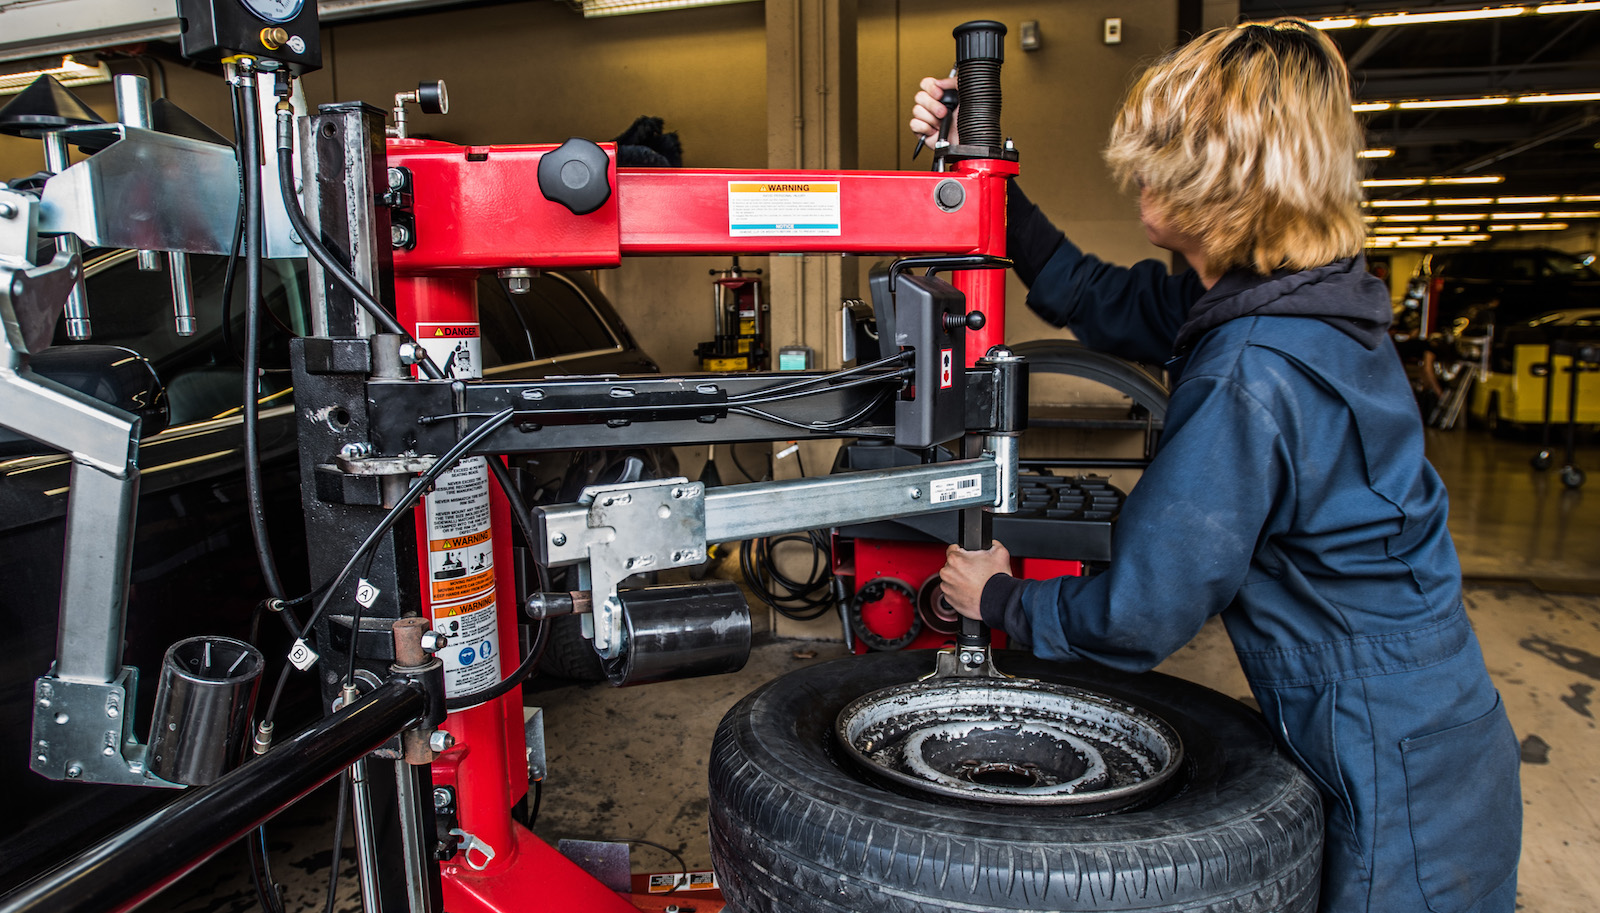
428	718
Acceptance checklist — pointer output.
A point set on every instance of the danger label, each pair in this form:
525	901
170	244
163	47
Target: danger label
947	369
457	348
960	488
775	208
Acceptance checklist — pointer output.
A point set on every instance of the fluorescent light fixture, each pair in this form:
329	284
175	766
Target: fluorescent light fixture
1514	216
1394	182
1403	17
1375	153
1468	239
1429	104
1394	229
1524	201
1362	107
1471	179
1405	218
1463	201
593	9
1380	204
1531	226
68	72
1502	12
1581	198
1580	214
1543	98
1447	229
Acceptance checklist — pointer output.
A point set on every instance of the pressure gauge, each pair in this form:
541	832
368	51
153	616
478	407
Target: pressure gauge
274	10
286	31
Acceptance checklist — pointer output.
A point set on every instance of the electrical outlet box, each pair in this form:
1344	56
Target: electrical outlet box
1029	38
1113	30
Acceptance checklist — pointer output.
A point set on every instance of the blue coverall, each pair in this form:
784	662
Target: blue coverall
1291	495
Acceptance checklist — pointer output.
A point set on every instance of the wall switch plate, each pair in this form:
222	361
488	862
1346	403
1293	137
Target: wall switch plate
1113	33
1029	37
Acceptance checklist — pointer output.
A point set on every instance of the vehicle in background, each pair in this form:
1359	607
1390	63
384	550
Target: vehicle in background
1515	369
1481	292
194	566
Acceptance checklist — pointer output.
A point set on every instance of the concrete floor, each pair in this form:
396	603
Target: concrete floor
630	764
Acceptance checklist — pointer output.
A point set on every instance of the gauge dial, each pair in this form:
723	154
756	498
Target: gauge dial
274	10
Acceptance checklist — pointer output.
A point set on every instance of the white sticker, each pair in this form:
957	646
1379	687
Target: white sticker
461	577
301	656
682	881
947	369
457	348
366	593
960	488
769	208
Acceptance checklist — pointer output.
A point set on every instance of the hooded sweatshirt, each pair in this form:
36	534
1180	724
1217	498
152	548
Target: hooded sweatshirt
1291	496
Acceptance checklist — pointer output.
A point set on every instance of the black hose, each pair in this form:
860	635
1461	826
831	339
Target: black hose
250	173
313	244
980	50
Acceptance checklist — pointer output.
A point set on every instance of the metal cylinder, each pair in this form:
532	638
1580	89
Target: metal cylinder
681	631
980	50
203	705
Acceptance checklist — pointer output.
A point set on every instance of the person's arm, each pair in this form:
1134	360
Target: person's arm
1180	550
1130	311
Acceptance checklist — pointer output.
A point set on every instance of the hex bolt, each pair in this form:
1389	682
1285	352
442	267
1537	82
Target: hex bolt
433	641
399	235
441	798
559	539
410	353
396	179
74	771
518	279
356	450
440	741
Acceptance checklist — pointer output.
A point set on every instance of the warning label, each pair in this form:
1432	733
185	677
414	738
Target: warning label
461	577
683	881
783	208
457	348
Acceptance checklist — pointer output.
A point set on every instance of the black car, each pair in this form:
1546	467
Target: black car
194	566
1472	292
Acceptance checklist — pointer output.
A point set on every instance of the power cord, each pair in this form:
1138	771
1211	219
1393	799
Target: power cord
799	600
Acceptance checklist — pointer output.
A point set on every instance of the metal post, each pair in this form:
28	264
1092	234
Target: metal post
56	160
413	786
366	841
133	108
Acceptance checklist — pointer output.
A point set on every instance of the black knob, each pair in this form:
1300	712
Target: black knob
973	320
577	174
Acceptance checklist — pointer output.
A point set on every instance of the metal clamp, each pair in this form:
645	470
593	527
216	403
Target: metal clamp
470	843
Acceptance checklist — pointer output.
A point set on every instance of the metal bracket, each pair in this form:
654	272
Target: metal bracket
470	843
84	731
964	662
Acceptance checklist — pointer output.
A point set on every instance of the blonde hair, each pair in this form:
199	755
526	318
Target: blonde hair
1246	141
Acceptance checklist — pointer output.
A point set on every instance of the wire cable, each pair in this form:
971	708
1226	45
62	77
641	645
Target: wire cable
250	176
800	600
313	245
342	805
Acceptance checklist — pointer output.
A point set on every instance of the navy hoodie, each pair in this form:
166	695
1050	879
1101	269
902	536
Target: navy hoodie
1291	496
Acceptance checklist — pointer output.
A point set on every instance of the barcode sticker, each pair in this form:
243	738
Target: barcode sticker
961	488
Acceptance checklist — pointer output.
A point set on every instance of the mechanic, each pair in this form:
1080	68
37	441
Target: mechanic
1291	494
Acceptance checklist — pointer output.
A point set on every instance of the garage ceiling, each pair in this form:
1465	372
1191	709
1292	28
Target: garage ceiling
1541	148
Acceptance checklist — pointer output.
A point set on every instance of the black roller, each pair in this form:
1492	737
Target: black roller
681	631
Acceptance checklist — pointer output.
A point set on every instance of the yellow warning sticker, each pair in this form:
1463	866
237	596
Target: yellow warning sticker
779	208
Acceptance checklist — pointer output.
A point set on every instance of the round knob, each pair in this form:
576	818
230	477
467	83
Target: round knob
973	320
576	174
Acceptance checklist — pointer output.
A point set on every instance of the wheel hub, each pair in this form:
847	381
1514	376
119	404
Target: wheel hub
1011	742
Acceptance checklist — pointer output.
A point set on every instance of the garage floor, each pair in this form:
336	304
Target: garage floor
630	764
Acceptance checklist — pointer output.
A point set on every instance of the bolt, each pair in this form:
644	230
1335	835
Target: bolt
397	180
8	211
967	658
74	771
410	353
440	741
441	798
518	279
356	450
558	540
399	235
916	494
44	702
433	641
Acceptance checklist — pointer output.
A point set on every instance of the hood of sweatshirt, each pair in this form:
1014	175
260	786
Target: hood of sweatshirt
1342	294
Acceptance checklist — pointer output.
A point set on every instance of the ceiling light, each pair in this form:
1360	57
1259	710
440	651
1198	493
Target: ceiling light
1447	229
1474	179
1362	107
1393	229
1523	201
1549	97
593	9
1530	226
1402	17
1393	182
68	72
1405	218
1464	201
1514	216
1429	104
1581	198
1384	203
1581	214
1375	153
1503	12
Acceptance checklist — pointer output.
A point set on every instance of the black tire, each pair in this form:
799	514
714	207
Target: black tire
794	829
569	654
1572	477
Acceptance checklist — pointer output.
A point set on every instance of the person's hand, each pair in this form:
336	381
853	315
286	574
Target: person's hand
965	573
927	110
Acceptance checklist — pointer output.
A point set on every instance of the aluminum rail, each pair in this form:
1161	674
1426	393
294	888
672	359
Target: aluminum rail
134	865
